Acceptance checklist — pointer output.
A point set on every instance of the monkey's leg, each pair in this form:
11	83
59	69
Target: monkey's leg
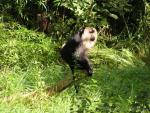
75	78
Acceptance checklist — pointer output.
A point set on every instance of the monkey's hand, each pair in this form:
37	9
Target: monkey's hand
90	72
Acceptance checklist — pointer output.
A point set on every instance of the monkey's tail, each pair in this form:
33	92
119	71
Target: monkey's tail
60	86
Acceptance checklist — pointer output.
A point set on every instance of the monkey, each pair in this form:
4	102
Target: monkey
43	22
74	52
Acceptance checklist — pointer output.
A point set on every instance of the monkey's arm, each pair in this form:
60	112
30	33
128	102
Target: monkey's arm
84	64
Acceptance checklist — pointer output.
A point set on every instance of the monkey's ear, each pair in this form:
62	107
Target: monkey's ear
81	30
97	27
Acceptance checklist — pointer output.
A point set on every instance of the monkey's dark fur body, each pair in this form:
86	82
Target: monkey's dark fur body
79	63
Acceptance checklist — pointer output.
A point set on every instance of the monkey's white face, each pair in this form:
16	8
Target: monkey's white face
89	37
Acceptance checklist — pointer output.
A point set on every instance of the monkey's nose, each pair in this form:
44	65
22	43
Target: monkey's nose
92	38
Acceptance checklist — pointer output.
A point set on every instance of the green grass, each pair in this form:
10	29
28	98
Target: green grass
29	61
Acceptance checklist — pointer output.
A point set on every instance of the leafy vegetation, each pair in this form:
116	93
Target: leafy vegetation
30	60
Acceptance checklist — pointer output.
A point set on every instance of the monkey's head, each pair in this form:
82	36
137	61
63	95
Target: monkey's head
88	37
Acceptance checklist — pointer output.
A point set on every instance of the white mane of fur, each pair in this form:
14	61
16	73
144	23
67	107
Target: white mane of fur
86	43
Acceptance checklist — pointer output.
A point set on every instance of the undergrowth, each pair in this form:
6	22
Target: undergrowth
29	61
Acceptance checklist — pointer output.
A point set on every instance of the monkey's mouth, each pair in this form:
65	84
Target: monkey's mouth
92	38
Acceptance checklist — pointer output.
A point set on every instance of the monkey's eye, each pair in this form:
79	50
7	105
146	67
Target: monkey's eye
92	38
91	31
81	31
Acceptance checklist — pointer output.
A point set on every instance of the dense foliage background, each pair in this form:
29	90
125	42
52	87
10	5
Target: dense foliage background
30	60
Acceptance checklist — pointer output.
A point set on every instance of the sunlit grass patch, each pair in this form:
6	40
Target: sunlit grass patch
119	58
